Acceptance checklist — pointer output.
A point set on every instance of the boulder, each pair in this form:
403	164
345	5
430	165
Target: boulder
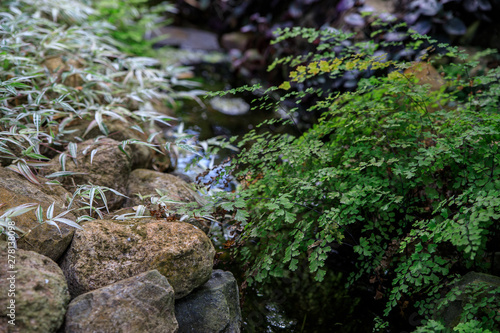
110	167
129	213
146	181
106	251
211	308
142	303
141	156
42	238
41	293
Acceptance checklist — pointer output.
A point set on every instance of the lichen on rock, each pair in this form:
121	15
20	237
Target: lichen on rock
142	303
106	251
42	238
41	293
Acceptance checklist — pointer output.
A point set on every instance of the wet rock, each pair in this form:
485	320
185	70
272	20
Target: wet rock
41	293
187	38
452	313
110	167
230	106
107	251
142	303
214	307
42	238
146	181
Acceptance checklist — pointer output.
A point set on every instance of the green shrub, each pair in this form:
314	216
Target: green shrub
132	20
406	174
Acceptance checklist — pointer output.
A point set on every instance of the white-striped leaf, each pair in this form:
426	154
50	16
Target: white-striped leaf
72	148
18	210
50	211
68	222
64	173
39	214
62	161
92	154
54	224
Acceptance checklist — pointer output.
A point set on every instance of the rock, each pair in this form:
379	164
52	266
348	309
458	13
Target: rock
110	167
129	213
57	66
41	293
425	73
230	106
186	38
107	251
141	156
452	313
146	181
214	307
42	238
142	303
236	40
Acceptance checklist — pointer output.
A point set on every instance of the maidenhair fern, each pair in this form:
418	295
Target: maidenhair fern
404	173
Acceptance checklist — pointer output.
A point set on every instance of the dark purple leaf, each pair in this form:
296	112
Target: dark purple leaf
455	26
355	20
484	17
386	17
294	11
350	84
411	18
344	5
484	5
366	9
381	56
422	27
406	53
429	7
470	5
351	75
248	28
395	36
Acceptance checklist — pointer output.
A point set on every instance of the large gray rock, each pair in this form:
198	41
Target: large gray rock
41	293
45	239
212	308
107	251
110	167
142	304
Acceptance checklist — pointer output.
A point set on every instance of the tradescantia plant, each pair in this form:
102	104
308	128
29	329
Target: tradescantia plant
405	174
